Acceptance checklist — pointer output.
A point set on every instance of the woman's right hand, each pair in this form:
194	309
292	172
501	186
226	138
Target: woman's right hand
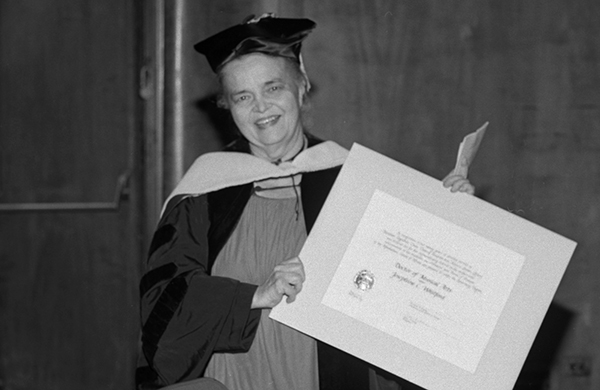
286	279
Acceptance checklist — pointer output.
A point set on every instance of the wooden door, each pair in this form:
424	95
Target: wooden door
69	247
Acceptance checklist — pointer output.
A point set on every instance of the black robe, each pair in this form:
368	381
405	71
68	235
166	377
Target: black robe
188	314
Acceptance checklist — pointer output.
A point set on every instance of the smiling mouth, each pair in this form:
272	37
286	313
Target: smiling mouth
268	121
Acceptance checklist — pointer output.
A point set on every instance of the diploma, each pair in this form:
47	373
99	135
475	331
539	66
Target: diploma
442	289
447	296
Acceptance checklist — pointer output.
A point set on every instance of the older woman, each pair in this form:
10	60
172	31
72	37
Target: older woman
225	250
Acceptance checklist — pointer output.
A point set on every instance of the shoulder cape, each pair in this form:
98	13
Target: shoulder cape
217	170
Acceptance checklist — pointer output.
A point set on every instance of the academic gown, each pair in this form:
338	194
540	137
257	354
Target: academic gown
187	314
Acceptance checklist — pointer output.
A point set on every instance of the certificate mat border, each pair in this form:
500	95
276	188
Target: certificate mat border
547	255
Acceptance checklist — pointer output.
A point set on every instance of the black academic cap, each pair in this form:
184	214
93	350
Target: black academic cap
266	34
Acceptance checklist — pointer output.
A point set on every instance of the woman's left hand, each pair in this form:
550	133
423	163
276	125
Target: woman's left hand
458	183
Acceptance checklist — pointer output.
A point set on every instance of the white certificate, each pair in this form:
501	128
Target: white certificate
442	289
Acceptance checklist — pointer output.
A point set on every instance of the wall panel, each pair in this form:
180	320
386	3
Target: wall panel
68	279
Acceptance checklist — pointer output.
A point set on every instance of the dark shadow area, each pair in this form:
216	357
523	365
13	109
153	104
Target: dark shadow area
392	380
536	369
339	370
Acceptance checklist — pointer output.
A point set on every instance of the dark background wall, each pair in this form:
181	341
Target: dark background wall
91	90
69	253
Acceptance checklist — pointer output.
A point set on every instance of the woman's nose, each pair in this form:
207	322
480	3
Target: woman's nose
261	104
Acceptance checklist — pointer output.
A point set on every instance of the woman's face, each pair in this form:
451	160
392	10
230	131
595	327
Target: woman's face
265	99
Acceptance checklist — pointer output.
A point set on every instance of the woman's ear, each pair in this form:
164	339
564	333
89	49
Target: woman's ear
303	89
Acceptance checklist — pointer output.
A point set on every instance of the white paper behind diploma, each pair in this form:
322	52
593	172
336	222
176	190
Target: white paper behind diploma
449	291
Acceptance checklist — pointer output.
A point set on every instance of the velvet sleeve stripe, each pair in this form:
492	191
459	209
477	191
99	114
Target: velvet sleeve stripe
161	315
152	278
163	235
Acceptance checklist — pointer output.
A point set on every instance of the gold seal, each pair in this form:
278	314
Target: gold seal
364	280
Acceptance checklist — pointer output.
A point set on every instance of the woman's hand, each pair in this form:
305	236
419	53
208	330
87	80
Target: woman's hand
458	183
286	279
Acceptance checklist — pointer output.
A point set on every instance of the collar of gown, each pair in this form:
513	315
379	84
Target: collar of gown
217	170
